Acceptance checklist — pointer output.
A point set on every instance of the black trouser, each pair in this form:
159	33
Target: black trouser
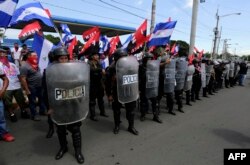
227	82
231	81
170	101
195	90
144	105
76	135
96	94
210	85
178	98
130	112
204	91
50	122
188	95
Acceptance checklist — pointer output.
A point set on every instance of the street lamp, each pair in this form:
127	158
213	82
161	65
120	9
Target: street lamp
216	30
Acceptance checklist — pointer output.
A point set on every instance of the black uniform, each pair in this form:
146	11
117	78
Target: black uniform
111	91
96	89
196	82
62	129
144	104
170	96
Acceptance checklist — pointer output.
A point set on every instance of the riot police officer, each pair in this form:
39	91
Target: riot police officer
167	81
112	81
196	86
65	99
189	81
204	76
148	86
181	69
96	86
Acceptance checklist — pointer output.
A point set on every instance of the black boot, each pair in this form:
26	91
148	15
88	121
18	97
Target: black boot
50	132
101	107
143	107
197	97
116	129
204	92
116	114
61	133
157	119
92	111
51	127
188	98
180	110
155	110
77	143
170	103
192	97
24	114
130	118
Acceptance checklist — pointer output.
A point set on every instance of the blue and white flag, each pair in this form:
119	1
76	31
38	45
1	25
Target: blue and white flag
42	47
30	12
7	8
68	37
128	40
104	44
162	33
65	29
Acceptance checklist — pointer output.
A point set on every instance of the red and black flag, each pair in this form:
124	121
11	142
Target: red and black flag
29	31
92	45
114	43
90	33
138	39
71	47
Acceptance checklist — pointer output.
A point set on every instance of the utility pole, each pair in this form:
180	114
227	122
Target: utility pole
215	35
219	38
193	26
153	16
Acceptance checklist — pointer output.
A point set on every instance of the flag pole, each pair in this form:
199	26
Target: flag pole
60	34
54	25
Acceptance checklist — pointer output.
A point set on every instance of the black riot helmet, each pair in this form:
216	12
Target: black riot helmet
61	51
119	53
51	56
147	56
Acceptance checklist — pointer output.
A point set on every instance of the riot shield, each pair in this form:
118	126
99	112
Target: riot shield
181	69
203	75
169	76
209	69
68	91
231	72
189	77
226	71
127	79
152	78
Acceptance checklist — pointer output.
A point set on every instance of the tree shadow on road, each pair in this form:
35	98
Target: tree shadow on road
233	136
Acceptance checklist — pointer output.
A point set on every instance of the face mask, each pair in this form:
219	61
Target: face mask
5	61
32	60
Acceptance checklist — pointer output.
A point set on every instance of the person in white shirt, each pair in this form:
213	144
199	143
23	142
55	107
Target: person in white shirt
14	89
16	52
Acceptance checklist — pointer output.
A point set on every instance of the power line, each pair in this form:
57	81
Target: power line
95	4
78	11
126	11
201	23
160	15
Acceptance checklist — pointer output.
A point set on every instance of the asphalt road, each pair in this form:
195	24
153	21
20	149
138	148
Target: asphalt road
197	137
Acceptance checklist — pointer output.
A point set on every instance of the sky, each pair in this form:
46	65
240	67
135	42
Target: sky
235	28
